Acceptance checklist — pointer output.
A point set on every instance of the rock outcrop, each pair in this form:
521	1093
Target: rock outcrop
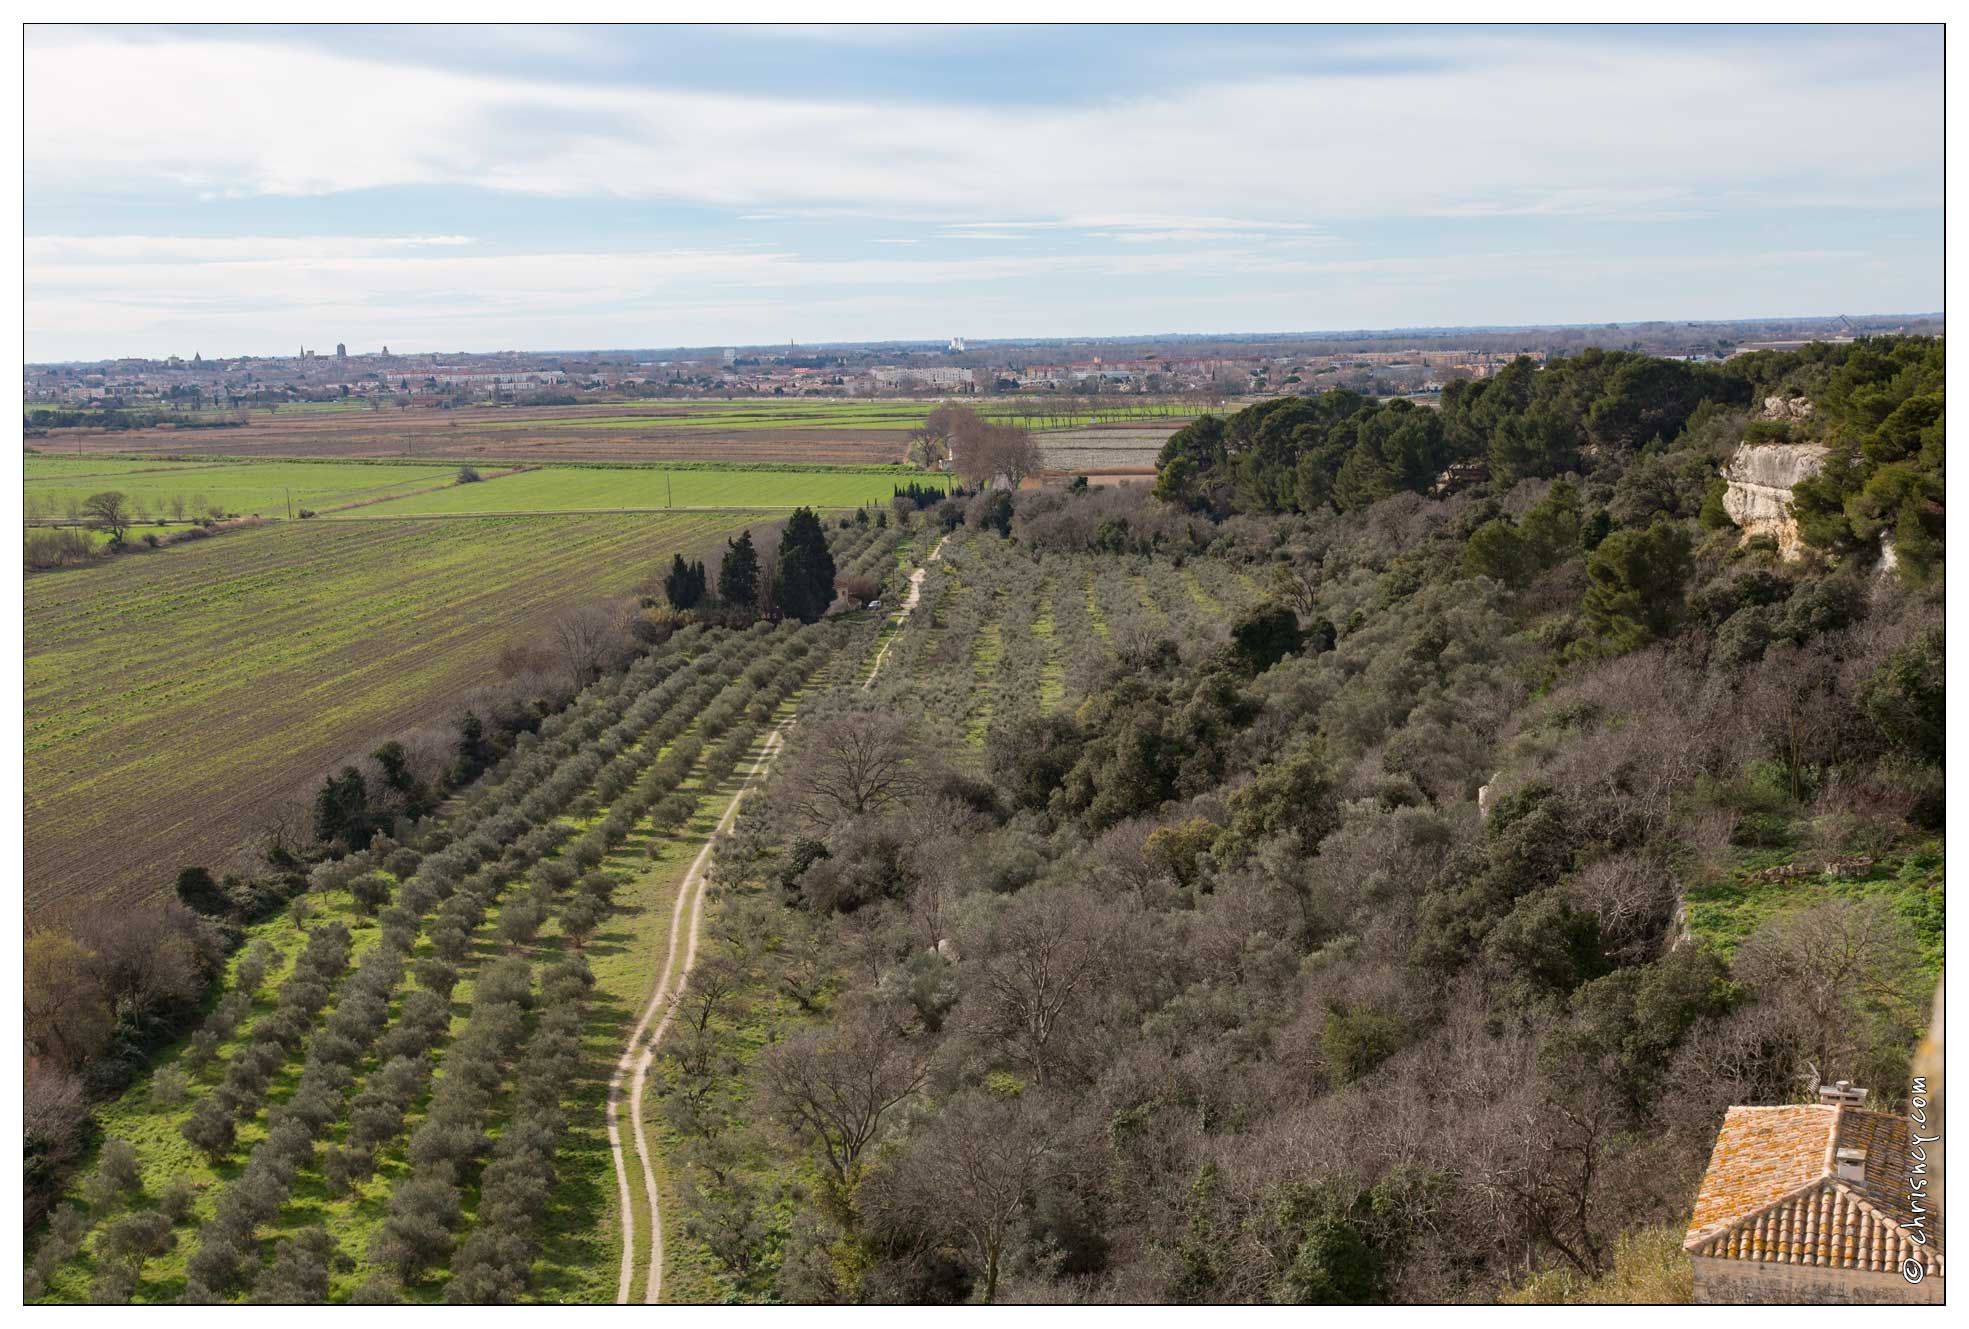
1760	478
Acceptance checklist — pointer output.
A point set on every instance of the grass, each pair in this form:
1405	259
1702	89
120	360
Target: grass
1649	1269
153	1128
172	698
832	414
241	488
1052	677
574	489
1730	908
582	1247
1095	614
160	490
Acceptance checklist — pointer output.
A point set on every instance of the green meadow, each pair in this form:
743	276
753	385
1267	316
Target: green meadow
595	488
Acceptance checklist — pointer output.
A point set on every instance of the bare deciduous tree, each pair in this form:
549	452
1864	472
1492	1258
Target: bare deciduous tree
1849	972
832	1089
108	511
971	1178
1038	971
853	765
586	638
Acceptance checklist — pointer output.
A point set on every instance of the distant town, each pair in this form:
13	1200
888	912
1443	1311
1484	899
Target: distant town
1397	363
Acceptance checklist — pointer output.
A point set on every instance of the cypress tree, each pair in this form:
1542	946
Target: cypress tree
806	568
738	575
683	590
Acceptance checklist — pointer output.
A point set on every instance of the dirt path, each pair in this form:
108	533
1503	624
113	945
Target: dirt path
638	1054
908	608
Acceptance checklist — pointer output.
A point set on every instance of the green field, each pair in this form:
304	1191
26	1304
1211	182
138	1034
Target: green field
54	485
834	414
594	488
172	697
179	490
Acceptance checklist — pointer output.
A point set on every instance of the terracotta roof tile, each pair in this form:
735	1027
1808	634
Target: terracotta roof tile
1772	1192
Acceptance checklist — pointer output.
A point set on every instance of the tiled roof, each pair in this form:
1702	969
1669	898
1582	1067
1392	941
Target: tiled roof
1772	1192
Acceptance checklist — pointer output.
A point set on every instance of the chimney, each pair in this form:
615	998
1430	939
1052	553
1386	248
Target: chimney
1849	1165
1842	1094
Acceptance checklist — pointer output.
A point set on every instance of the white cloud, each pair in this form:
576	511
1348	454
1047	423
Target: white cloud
1515	127
51	250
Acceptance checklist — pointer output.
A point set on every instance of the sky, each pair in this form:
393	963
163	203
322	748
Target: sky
245	190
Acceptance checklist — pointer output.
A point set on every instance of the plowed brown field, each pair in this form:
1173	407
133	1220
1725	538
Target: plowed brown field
527	434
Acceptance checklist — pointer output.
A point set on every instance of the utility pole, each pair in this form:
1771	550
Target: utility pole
668	501
290	503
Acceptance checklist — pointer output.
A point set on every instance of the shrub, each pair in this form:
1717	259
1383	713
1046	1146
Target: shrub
118	1173
168	1087
209	1129
175	1201
137	1237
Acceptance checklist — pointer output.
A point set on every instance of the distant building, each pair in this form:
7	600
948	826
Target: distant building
928	376
341	351
731	355
956	343
1813	1205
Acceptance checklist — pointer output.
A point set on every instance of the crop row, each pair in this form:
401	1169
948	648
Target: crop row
306	638
425	1208
226	1255
460	882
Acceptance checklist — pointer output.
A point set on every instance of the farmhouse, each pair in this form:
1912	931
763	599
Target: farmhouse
1816	1204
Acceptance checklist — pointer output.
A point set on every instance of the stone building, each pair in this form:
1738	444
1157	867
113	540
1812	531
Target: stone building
1815	1205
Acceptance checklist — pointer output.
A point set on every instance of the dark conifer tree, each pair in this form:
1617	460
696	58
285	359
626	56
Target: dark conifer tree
683	589
738	575
806	568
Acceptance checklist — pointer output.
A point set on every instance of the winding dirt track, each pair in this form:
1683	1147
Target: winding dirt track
638	1054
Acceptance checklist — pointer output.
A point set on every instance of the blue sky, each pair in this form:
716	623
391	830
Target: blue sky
242	190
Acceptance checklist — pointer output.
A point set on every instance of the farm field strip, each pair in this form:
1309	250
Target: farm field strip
310	640
1046	627
265	488
808	431
575	488
56	488
1096	616
987	648
841	415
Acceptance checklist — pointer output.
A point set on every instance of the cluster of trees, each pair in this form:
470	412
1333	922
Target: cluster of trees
796	579
99	999
1656	425
1220	985
982	450
40	419
1880	406
915	496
